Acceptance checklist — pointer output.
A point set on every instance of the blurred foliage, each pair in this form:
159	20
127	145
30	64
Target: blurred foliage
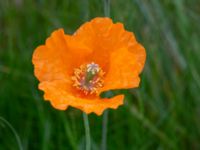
162	114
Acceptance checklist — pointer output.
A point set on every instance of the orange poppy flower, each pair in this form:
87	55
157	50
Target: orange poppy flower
74	69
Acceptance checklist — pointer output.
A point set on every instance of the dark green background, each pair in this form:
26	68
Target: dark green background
163	113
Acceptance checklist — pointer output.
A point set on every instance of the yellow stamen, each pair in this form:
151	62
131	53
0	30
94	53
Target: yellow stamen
88	78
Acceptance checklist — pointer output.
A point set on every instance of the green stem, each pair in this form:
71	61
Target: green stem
87	131
106	8
104	130
14	132
105	115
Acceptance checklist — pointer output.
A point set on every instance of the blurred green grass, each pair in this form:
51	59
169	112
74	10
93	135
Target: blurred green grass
162	114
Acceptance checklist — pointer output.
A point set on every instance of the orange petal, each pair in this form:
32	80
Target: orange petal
57	58
103	37
100	35
58	92
125	66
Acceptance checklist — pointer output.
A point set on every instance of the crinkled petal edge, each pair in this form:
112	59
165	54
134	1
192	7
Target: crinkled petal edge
61	99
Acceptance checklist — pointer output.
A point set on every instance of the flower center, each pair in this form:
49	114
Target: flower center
88	78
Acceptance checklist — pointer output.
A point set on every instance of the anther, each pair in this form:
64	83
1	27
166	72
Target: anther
88	78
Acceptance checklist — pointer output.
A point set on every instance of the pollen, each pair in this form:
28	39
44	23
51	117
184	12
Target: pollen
88	78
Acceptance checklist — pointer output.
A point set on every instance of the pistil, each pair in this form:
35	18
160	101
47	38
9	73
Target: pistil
88	78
